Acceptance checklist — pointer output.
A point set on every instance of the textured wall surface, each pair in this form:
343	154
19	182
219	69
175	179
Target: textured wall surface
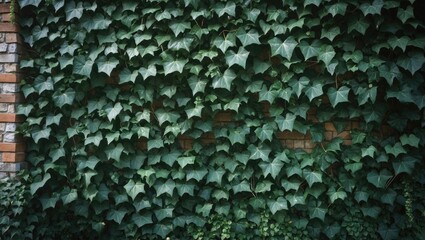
12	148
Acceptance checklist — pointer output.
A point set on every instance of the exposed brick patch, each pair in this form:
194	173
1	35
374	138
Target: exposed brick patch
9	27
9	78
13	157
12	147
11	118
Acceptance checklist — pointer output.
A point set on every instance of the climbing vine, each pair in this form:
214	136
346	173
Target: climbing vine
112	88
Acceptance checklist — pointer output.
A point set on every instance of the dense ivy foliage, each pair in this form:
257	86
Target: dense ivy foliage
112	86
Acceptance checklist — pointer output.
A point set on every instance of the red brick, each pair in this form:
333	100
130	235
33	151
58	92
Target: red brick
294	135
12	147
13	38
355	125
289	143
344	135
225	116
13	157
11	118
347	142
9	78
299	144
5	8
329	126
9	27
309	144
5	17
10	98
329	135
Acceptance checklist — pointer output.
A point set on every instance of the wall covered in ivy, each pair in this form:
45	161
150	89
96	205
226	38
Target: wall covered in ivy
114	87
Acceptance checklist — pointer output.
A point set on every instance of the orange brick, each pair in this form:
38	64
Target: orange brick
9	78
289	143
309	144
12	147
299	144
308	150
10	98
5	8
355	125
329	126
329	135
294	135
347	142
13	157
11	118
9	27
5	17
225	116
344	135
13	38
207	141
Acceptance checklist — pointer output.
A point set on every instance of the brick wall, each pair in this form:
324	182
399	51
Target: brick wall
12	148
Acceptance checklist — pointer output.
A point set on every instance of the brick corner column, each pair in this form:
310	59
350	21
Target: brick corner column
12	147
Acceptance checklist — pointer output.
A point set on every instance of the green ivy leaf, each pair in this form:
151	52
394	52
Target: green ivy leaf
83	66
374	8
388	233
412	62
239	58
222	9
73	11
116	215
404	165
174	66
327	53
197	85
273	168
285	123
225	80
39	184
295	199
284	49
337	8
241	187
259	152
142	220
127	76
114	111
313	91
198	175
405	14
395	150
167	187
215	175
317	210
310	50
411	140
338	96
336	194
161	214
134	188
41	134
263	186
312	177
179	27
276	205
380	179
248	38
224	43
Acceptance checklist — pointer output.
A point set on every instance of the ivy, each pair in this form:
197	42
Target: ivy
158	119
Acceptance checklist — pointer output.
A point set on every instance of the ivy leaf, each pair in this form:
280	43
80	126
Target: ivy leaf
183	161
134	188
337	8
167	187
405	14
259	152
310	50
73	11
338	96
410	139
39	184
65	98
405	165
174	66
196	85
277	205
215	175
286	123
285	48
299	85
162	230
241	187
295	199
327	53
127	76
148	72
312	177
116	215
114	111
395	150
161	214
312	2
263	186
181	43
374	8
69	197
142	220
330	33
222	9
225	80
336	194
314	90
198	175
248	38
179	27
388	233
380	179
239	58
265	133
83	66
317	210
273	168
224	43
412	62
399	42
332	230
